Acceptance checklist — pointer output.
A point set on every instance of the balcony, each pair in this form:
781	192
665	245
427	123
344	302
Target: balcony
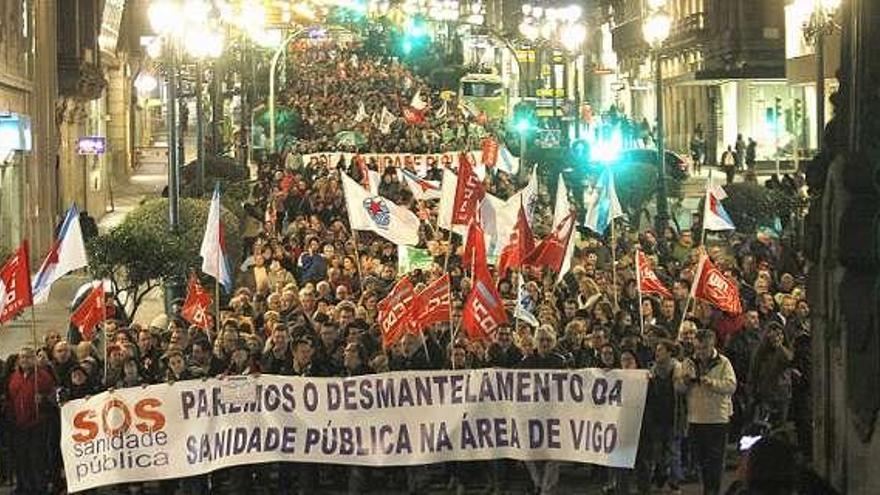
688	29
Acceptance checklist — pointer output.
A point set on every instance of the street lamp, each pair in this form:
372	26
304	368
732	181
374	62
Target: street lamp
560	27
820	25
182	24
202	43
655	30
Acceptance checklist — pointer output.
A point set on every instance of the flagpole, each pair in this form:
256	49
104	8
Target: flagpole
639	289
357	259
36	361
705	210
517	301
690	295
614	264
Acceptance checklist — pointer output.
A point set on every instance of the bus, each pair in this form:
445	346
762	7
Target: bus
486	92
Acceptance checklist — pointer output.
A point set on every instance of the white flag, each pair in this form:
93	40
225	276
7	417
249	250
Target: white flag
507	162
67	254
379	215
604	206
563	207
442	111
522	297
386	120
361	113
417	102
422	189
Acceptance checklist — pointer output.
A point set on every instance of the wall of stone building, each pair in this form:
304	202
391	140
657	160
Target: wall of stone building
119	138
27	72
843	226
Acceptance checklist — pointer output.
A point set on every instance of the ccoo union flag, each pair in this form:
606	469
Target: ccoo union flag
712	286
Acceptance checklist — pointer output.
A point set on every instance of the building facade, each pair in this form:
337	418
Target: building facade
723	68
27	96
844	268
801	65
95	88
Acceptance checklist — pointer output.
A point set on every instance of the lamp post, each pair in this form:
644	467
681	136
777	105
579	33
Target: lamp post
820	25
560	29
202	44
655	30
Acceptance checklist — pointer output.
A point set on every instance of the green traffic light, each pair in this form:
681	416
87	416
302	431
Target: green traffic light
407	47
523	125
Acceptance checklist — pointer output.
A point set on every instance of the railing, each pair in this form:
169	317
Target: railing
688	27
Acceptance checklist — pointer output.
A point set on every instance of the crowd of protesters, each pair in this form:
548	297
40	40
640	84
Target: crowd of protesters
329	83
305	304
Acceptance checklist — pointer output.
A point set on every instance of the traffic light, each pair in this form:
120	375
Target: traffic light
524	117
778	108
798	110
580	151
415	35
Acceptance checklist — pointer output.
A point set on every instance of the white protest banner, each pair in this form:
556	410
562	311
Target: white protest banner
419	163
392	419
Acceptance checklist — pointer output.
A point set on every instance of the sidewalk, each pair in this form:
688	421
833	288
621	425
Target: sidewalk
147	181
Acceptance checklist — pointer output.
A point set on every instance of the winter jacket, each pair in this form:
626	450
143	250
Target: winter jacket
23	406
710	403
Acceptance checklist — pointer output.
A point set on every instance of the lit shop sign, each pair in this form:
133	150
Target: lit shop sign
15	132
91	145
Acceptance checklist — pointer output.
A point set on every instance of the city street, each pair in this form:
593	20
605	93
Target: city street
411	246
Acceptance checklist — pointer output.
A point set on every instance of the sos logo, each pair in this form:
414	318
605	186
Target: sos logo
116	418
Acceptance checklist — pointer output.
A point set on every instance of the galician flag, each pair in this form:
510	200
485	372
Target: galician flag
604	206
521	312
422	189
213	251
377	214
715	217
67	254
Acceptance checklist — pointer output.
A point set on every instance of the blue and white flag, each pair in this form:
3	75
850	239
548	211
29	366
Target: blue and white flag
213	250
68	253
523	304
604	206
715	217
507	162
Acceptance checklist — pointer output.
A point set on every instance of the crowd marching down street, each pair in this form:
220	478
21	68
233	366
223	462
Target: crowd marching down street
422	249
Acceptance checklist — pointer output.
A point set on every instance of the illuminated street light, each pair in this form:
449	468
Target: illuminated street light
145	82
821	24
655	30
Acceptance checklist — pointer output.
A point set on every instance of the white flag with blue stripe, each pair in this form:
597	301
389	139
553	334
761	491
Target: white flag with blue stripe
523	301
605	206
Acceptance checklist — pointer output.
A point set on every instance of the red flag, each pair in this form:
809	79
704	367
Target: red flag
522	242
15	284
197	306
483	310
469	192
395	312
551	251
475	237
648	282
434	303
90	312
490	152
712	286
413	116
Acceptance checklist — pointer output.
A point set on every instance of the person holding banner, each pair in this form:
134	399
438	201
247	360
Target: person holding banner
29	397
544	474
